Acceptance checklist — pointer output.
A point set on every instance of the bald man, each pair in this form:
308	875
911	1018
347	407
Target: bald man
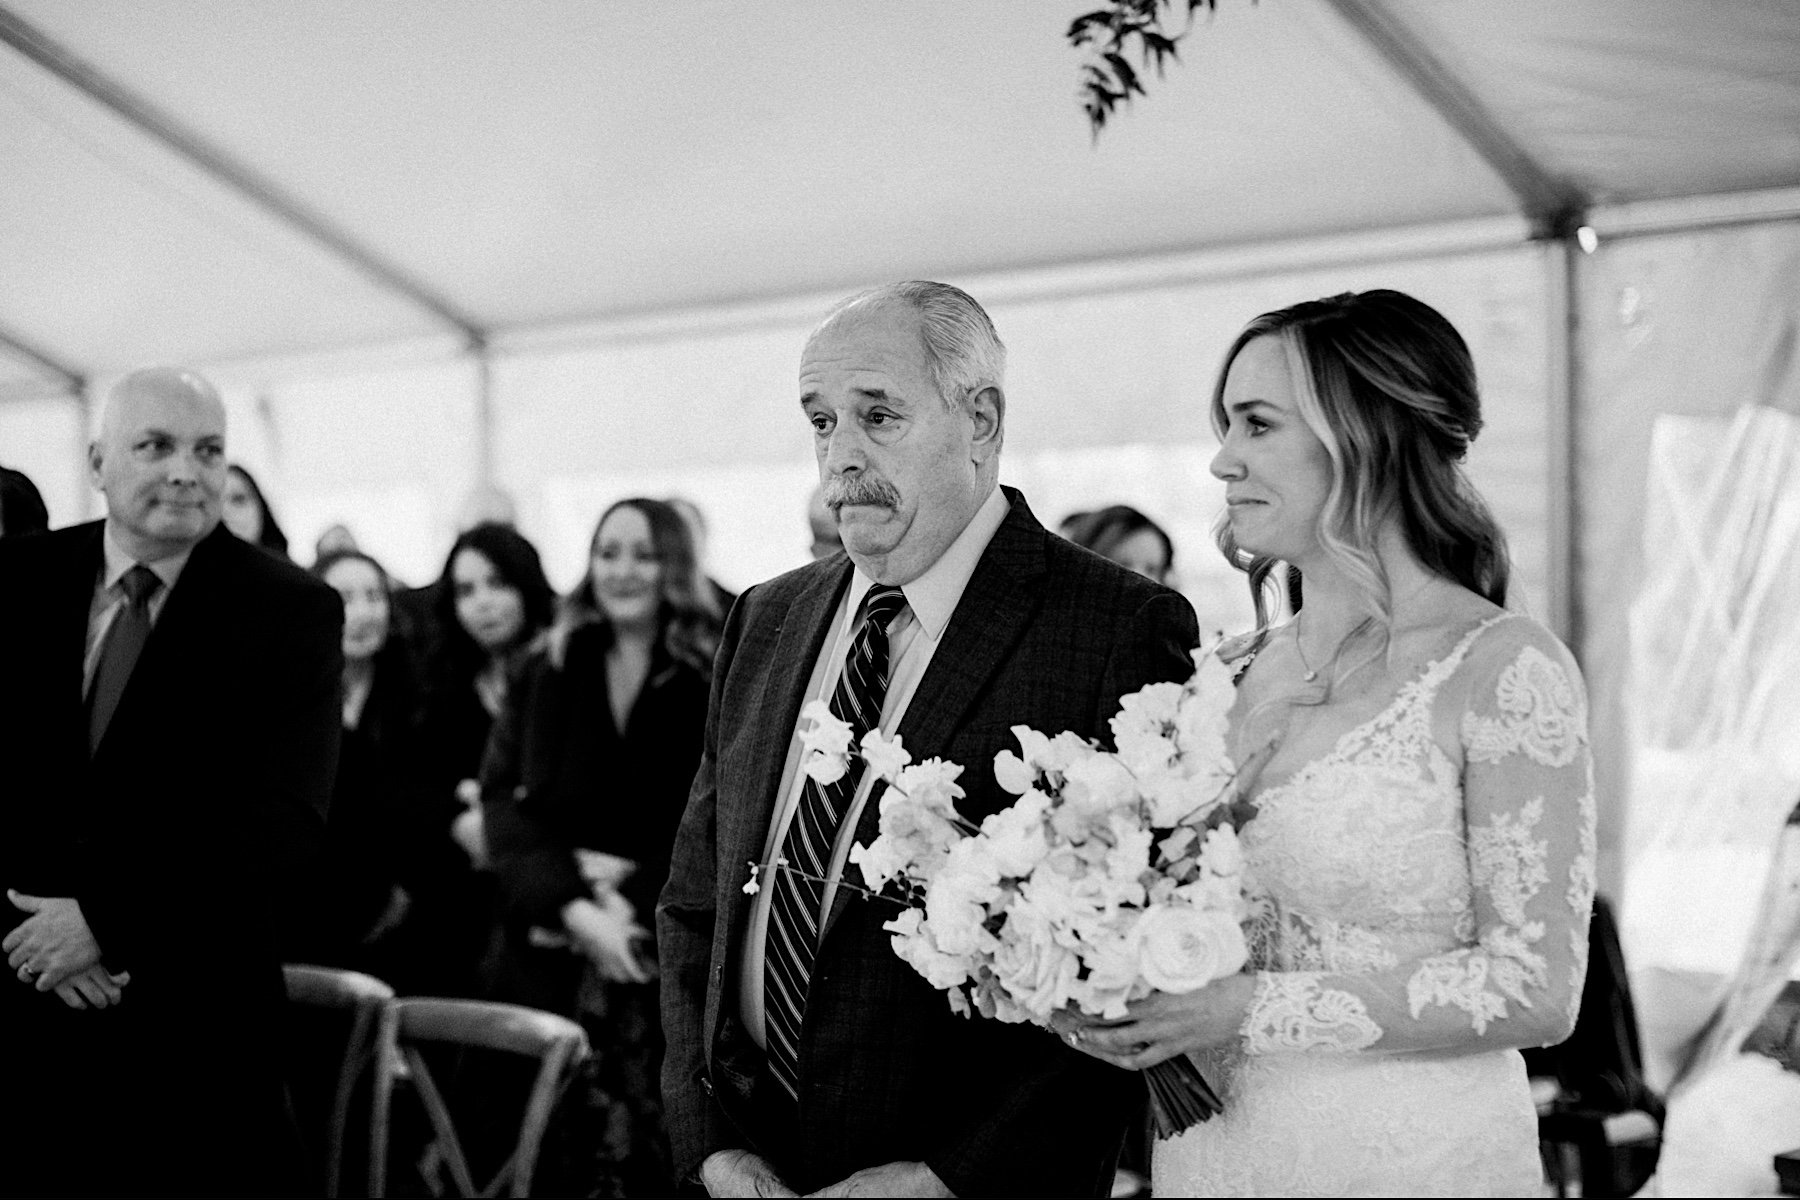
168	735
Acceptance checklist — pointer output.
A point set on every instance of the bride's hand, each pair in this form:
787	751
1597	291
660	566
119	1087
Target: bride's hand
1164	1024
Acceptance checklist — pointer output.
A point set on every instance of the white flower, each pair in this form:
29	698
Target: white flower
1177	796
914	944
956	901
1181	949
1034	747
1200	719
885	756
1220	853
1129	856
1035	971
1143	725
828	734
1015	835
1099	783
1011	772
932	784
825	769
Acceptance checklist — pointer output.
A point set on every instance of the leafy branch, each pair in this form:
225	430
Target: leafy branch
1110	35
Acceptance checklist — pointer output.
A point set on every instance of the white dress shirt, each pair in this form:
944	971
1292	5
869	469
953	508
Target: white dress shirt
109	596
912	641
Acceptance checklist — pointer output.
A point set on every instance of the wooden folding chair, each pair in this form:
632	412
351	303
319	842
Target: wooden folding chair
559	1045
364	997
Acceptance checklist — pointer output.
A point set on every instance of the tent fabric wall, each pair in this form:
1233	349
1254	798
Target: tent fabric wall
1107	402
1694	323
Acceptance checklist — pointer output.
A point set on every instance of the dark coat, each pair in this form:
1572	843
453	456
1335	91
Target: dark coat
178	837
559	774
371	845
1047	635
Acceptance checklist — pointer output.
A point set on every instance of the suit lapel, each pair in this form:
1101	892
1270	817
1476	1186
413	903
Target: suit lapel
745	826
69	607
995	610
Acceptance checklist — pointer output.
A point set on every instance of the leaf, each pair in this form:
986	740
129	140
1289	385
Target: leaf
1126	76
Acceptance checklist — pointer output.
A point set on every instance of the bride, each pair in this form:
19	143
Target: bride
1424	840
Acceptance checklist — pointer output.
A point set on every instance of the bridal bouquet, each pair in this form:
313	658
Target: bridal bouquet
1114	874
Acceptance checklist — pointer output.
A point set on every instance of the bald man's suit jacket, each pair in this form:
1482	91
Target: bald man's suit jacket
179	837
1047	635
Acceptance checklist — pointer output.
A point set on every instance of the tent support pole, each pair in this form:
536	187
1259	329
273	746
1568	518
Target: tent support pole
1562	397
484	412
261	192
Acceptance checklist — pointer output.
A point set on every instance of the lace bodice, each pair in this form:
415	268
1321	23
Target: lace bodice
1426	884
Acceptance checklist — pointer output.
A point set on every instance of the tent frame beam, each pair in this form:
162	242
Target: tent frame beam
71	379
259	190
1554	206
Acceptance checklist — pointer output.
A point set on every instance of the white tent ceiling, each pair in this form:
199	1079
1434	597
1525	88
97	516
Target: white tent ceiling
501	166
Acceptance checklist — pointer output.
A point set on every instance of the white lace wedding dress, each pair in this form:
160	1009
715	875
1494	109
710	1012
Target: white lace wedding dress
1424	895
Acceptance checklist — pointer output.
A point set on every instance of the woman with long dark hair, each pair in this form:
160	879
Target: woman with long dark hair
1125	535
490	603
365	887
246	512
1424	828
586	778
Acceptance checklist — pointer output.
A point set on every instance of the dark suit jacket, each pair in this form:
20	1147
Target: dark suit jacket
176	837
1047	635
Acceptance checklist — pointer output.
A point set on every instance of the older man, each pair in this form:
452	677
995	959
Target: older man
803	1054
170	721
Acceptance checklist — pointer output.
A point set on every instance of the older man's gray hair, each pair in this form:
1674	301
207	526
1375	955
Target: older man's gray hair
962	350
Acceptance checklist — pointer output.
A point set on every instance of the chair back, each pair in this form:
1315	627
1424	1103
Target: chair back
558	1044
363	997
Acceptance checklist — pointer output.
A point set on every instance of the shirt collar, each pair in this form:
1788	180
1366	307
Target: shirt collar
934	595
118	561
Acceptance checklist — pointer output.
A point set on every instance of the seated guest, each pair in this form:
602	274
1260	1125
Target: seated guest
170	729
586	776
1126	536
247	513
491	601
22	510
357	913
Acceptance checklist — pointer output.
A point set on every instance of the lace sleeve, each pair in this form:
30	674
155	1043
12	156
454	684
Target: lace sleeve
1528	805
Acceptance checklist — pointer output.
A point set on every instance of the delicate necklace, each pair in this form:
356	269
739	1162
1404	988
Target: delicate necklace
1310	673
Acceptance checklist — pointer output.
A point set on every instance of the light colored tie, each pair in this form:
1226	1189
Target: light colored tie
796	904
125	640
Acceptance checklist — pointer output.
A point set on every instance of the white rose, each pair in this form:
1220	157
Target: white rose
1183	949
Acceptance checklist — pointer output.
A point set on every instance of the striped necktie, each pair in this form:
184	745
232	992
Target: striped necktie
796	902
125	639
